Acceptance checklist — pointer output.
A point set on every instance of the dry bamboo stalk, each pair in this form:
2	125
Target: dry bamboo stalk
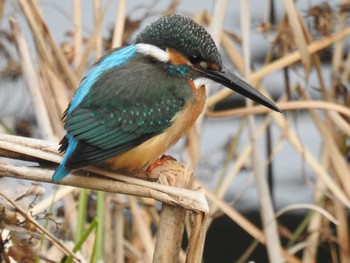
232	52
71	213
339	122
133	251
47	63
273	244
53	198
97	14
2	5
42	34
197	238
299	37
217	21
293	138
283	62
313	207
33	83
109	237
310	253
338	162
295	56
48	90
346	71
119	25
144	231
342	232
172	219
59	93
77	32
41	47
119	235
338	51
284	106
91	43
192	200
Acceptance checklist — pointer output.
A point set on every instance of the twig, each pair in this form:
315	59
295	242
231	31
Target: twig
192	200
284	106
55	240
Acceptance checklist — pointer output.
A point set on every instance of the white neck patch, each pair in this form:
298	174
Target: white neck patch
200	82
150	50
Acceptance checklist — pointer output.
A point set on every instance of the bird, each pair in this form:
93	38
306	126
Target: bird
139	100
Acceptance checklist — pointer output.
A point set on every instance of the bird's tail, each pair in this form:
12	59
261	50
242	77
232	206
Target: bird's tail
60	172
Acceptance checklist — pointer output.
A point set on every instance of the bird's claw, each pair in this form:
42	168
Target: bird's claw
160	162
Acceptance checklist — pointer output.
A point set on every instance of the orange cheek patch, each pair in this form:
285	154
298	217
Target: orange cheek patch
176	58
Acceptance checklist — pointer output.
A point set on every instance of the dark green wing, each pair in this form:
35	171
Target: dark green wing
124	108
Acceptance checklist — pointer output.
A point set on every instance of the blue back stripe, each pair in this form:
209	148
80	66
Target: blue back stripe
114	59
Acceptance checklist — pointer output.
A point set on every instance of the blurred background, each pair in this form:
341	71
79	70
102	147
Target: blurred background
297	52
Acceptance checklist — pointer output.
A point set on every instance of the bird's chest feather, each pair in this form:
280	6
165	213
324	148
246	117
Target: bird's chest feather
142	156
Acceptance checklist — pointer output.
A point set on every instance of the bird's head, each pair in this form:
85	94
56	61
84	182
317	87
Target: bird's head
190	51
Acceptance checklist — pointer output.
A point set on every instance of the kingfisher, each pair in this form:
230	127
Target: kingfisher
138	101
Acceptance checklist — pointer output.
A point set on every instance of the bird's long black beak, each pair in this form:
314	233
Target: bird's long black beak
235	83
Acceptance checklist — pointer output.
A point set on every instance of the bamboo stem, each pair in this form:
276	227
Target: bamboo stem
77	31
119	25
144	232
33	83
284	106
172	219
267	214
197	238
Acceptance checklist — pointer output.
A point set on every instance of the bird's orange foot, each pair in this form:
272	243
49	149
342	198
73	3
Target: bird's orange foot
160	162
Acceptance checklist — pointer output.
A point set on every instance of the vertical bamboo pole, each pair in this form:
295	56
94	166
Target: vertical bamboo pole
197	238
77	32
33	83
172	219
97	17
273	244
119	25
119	234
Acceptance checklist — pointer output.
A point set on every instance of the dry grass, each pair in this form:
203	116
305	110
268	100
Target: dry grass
124	223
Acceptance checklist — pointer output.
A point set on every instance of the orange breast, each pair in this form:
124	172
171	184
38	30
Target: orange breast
142	156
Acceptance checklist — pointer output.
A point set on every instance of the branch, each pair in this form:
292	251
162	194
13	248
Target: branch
18	147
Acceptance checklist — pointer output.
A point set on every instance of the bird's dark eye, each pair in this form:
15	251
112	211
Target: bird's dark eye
195	60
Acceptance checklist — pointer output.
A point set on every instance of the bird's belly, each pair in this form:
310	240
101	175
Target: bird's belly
144	155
